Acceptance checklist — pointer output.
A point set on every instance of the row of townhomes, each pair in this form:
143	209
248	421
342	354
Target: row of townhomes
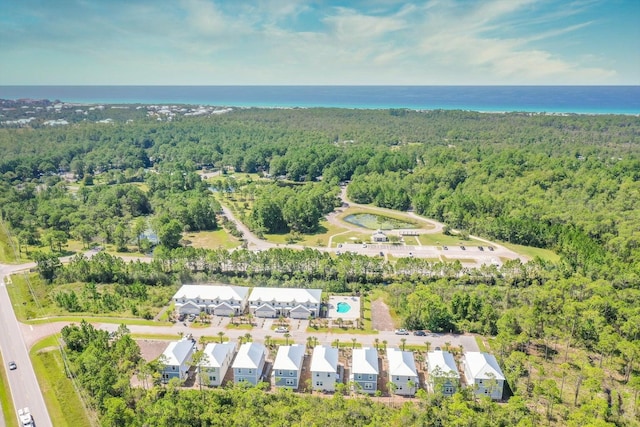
222	300
480	370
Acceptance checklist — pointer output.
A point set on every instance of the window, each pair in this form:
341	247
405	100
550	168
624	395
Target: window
328	374
290	381
173	367
370	377
211	378
397	378
318	383
292	373
317	374
359	376
368	386
250	371
280	372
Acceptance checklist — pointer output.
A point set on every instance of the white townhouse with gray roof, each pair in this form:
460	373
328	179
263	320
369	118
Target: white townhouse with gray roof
443	373
288	366
402	371
176	358
324	368
217	362
287	302
249	363
482	372
364	369
220	300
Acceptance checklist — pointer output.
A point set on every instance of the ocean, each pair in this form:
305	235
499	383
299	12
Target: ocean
549	99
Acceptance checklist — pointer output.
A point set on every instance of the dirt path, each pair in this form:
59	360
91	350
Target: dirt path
380	318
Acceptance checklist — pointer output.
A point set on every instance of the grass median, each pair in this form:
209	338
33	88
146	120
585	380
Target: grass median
6	402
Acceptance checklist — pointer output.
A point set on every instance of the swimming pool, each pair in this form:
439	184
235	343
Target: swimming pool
342	307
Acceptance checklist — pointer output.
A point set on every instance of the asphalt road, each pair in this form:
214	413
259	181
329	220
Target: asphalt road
24	386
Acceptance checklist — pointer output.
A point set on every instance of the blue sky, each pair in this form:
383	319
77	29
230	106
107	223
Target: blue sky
323	42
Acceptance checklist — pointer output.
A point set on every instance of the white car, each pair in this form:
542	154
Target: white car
282	330
402	332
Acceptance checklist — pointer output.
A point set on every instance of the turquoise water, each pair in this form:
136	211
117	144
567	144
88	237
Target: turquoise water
377	222
557	99
343	307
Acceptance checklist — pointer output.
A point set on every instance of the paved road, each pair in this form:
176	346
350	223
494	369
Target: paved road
472	256
22	382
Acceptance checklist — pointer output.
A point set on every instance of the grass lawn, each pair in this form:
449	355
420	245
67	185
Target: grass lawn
98	319
212	239
239	326
7	256
281	341
480	343
439	239
352	237
532	252
6	402
63	403
351	331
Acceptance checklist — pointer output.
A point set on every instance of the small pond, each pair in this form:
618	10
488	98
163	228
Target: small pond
377	222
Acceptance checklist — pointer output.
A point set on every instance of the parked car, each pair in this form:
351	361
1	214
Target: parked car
463	248
402	332
481	248
446	248
381	253
13	366
192	317
420	333
181	318
491	248
282	330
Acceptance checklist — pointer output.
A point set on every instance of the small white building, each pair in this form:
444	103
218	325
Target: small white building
443	373
402	371
217	362
220	300
176	358
249	363
379	237
324	368
287	302
364	369
288	366
482	372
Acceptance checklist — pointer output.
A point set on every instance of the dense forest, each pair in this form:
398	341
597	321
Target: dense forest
567	333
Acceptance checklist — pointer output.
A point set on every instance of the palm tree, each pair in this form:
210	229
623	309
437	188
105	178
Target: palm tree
247	337
267	340
340	321
428	344
286	337
337	343
377	343
384	345
404	343
354	340
232	316
220	335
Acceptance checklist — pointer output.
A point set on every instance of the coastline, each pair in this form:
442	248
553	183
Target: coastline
548	100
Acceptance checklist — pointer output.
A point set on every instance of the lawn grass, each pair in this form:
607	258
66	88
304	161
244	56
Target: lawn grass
159	337
352	237
218	239
6	402
531	252
480	342
239	326
281	341
97	319
63	402
7	254
440	239
352	331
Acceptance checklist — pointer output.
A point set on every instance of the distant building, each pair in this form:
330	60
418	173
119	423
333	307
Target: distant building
287	302
482	372
218	361
443	373
379	237
402	371
220	300
324	368
364	369
176	358
288	366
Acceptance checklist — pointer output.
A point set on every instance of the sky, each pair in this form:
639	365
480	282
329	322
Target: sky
319	42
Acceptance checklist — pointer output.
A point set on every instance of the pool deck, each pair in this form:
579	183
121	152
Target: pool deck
353	313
